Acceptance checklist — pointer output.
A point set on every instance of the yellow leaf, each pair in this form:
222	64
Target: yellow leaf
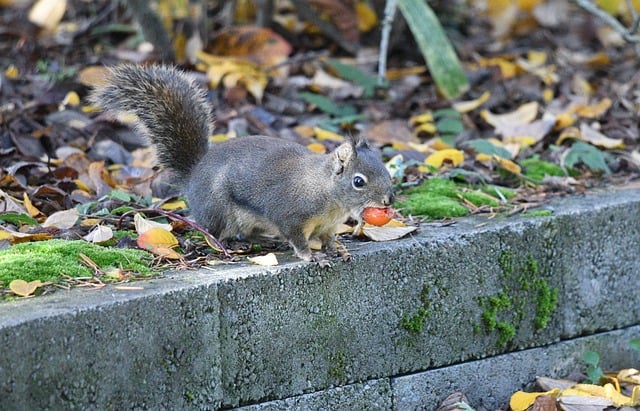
547	95
233	71
428	128
366	16
268	260
596	138
483	157
11	72
522	141
521	400
421	118
450	155
31	209
156	237
47	14
467	106
507	164
72	99
439	144
569	132
174	205
317	148
594	110
564	120
93	76
322	134
23	288
523	115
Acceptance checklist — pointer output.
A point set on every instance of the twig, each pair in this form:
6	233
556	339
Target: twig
629	34
185	220
389	13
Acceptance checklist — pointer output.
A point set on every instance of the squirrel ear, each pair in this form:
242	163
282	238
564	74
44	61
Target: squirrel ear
343	154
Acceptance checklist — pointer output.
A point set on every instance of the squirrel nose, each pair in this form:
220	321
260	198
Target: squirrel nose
388	199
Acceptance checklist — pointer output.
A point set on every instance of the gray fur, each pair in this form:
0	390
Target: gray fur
249	186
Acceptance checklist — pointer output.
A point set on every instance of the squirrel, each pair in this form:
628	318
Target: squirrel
252	186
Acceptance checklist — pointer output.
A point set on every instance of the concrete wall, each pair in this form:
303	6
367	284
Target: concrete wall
384	331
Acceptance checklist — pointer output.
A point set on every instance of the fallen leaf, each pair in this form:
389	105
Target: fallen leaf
47	14
165	252
450	155
62	219
467	106
23	288
523	115
268	260
156	237
593	136
583	403
520	400
391	231
100	234
594	110
143	225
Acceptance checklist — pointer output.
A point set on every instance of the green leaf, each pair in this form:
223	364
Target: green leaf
119	195
449	126
436	48
356	76
591	358
486	147
15	218
635	344
587	154
327	105
446	113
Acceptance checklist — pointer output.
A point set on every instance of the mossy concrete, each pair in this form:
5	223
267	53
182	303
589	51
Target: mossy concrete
236	335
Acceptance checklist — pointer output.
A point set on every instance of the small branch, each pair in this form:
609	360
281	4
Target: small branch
193	224
389	12
629	34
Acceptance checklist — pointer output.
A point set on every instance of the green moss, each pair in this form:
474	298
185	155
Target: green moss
415	323
50	260
441	198
432	206
497	191
524	283
547	302
338	367
537	169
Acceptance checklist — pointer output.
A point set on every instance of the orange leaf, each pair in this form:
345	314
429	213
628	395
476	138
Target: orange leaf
156	237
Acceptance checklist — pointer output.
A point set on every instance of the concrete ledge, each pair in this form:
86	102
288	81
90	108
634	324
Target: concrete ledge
240	335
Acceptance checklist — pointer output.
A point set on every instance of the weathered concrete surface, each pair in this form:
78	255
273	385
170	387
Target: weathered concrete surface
489	383
238	335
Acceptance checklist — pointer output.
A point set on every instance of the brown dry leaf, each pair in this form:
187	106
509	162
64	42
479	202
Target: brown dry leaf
257	44
100	234
393	230
267	260
366	16
143	225
548	384
62	219
47	14
165	252
544	403
92	76
9	204
232	72
341	14
23	288
502	14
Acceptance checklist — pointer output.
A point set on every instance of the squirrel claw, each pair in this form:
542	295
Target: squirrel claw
321	260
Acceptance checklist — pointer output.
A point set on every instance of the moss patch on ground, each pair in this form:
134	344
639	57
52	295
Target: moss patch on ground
439	198
51	260
537	169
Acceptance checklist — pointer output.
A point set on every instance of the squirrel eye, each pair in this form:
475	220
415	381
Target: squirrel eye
359	181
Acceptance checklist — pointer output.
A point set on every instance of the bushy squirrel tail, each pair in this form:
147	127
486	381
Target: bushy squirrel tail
171	110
